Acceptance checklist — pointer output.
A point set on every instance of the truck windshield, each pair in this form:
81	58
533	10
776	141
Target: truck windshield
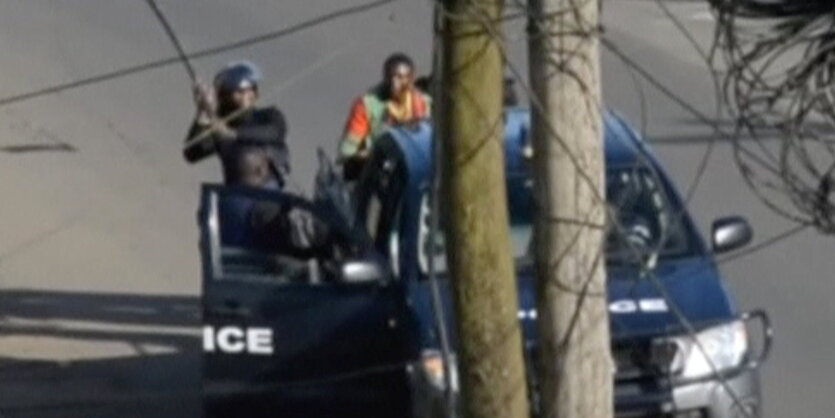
647	221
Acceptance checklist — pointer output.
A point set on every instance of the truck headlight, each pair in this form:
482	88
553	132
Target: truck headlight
721	347
432	366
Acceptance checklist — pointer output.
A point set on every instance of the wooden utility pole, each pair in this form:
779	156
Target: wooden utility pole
475	201
575	356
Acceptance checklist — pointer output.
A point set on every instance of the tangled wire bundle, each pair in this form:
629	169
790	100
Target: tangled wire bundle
780	69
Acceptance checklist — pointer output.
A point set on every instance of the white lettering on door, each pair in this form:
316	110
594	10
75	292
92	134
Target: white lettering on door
231	340
626	306
259	341
208	339
623	306
235	340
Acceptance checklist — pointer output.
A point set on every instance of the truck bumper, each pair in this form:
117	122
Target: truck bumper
739	397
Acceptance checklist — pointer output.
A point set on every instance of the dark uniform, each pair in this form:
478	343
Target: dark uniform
257	131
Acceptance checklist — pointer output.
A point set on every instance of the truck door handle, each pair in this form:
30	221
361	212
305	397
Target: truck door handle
231	309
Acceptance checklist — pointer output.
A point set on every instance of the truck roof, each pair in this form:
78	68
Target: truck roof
622	145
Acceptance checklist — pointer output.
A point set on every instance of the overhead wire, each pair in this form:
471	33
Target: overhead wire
780	64
203	53
172	36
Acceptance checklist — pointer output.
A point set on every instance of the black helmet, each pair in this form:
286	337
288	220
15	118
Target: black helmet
236	76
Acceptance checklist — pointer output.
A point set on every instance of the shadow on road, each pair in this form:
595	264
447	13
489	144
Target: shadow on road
21	149
162	310
155	373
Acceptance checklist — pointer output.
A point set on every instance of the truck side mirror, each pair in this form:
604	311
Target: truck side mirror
730	234
362	271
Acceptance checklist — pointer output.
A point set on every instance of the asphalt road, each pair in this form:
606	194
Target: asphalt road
99	275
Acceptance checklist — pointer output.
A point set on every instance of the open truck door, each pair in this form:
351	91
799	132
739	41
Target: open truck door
300	317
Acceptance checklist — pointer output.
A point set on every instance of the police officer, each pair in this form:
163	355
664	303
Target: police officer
229	124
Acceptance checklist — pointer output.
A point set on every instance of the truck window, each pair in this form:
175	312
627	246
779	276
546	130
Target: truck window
649	222
520	237
643	208
257	239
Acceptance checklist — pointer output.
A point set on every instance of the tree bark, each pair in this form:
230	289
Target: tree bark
576	369
475	200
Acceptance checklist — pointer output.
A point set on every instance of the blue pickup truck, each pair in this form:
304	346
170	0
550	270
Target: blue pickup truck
322	307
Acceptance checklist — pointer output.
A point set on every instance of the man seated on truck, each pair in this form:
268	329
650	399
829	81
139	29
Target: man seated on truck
288	231
395	100
267	225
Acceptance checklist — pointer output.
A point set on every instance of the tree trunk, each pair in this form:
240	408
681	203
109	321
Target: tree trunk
575	357
475	201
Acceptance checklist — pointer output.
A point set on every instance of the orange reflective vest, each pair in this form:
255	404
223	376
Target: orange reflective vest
370	115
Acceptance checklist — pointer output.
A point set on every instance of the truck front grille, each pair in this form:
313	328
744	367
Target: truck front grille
637	359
